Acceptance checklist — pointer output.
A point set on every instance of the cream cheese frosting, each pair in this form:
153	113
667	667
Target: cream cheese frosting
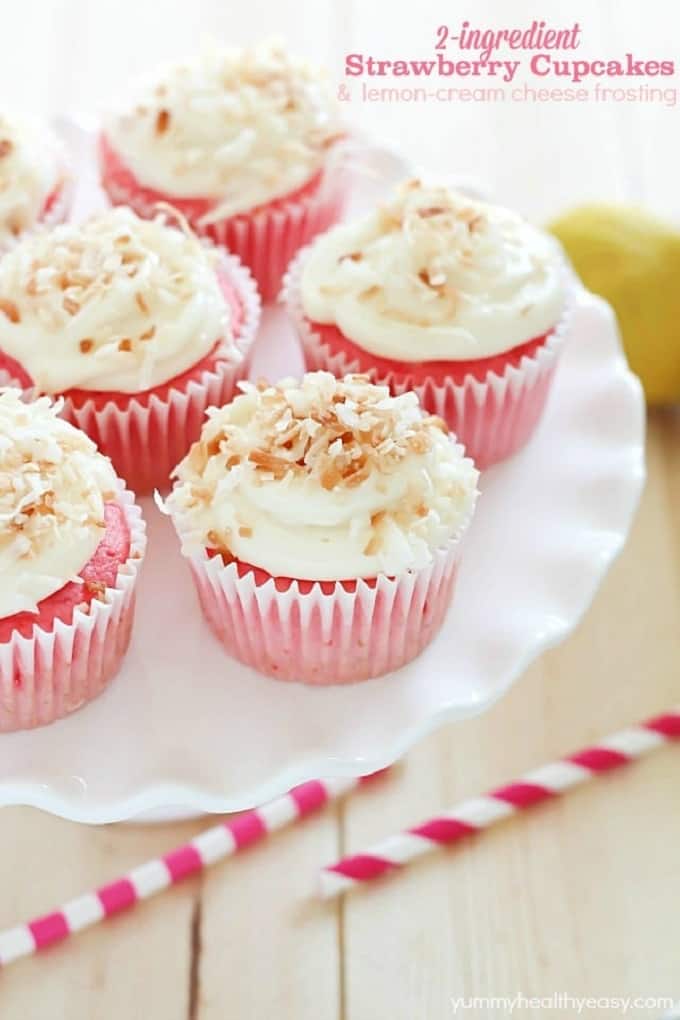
115	304
53	487
435	275
32	168
323	479
238	127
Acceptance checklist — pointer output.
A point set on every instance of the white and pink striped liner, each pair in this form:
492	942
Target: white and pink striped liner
472	816
319	637
214	844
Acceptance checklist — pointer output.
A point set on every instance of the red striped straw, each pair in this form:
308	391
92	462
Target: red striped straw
210	846
479	813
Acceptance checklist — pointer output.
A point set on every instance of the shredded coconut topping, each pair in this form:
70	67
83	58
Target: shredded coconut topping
434	274
239	127
32	168
116	303
323	479
53	486
336	430
439	229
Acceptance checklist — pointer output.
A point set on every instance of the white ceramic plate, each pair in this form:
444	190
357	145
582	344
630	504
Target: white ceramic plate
184	725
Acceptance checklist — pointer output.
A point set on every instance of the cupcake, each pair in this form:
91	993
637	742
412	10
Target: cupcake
139	326
322	522
34	179
243	144
71	543
461	301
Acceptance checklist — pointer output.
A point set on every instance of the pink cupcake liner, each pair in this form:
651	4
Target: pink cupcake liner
493	418
322	638
52	673
265	239
147	436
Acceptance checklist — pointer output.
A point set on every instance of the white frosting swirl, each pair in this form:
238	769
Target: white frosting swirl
32	168
53	486
323	480
237	127
433	276
116	304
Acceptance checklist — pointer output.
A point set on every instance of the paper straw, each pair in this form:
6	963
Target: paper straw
210	846
472	816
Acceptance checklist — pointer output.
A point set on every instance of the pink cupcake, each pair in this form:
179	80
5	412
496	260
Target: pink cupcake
322	521
35	183
139	326
243	144
461	301
71	543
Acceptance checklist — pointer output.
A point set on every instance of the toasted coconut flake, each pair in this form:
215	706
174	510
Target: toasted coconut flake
268	462
162	121
96	588
437	422
10	310
373	545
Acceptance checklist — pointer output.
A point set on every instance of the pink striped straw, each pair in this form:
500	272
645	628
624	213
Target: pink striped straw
210	846
479	813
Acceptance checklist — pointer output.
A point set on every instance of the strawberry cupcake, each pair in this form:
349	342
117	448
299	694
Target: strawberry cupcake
461	301
245	144
139	326
322	521
71	543
35	184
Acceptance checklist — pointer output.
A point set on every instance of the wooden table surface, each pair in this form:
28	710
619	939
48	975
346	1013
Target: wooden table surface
579	897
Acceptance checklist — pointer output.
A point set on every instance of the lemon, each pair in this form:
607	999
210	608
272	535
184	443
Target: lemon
632	260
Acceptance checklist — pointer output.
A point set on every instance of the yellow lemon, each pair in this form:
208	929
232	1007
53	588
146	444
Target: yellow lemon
633	261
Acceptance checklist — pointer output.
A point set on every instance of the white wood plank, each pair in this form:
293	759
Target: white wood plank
270	948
